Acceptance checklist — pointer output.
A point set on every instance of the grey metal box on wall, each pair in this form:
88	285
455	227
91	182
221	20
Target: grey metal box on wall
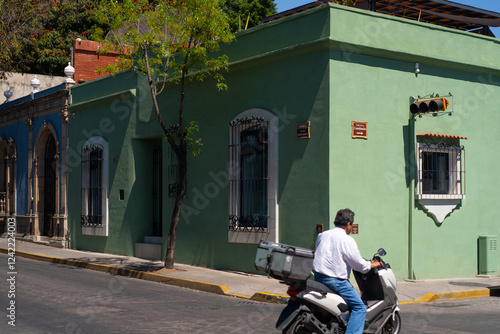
487	255
284	261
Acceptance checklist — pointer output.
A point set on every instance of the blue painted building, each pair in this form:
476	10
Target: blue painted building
33	167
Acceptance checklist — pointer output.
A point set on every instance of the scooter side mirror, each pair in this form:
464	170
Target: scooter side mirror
381	252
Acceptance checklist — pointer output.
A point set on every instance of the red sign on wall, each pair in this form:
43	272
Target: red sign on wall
355	229
359	129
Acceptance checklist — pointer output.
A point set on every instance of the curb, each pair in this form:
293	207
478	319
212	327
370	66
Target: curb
451	295
159	278
270	298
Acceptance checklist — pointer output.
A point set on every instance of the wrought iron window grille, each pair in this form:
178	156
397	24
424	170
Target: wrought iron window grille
90	148
248	223
246	120
92	188
91	221
248	184
441	170
157	194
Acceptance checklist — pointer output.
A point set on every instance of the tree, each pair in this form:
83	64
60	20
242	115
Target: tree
37	36
19	19
64	21
171	41
245	14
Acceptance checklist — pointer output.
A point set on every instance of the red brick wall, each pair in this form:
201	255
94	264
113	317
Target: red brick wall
86	60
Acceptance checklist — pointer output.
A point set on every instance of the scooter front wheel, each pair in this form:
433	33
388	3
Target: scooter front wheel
393	326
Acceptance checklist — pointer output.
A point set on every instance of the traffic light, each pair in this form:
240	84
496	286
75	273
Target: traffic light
429	105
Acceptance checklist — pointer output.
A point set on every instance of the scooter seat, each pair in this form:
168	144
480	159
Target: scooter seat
317	286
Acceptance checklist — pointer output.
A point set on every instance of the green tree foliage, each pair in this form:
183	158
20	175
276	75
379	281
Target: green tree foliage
64	22
37	36
171	41
248	13
19	20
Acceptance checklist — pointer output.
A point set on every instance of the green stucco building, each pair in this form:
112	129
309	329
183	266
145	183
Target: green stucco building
316	119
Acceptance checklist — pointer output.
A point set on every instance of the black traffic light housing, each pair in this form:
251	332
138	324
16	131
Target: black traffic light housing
429	105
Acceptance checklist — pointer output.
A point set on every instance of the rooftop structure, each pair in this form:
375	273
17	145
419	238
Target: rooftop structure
440	12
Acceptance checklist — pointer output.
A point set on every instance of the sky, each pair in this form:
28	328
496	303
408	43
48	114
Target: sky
492	5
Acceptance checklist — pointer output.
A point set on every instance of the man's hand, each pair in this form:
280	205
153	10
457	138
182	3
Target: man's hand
375	264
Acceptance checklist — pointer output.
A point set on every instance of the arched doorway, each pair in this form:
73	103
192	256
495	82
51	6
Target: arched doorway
46	179
49	188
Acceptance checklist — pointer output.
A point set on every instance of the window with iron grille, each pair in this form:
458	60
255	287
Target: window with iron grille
157	198
252	177
249	186
94	187
441	172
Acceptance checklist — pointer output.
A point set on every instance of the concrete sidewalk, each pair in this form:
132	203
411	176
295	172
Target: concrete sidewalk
238	284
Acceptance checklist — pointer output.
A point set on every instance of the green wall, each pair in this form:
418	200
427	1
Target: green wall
330	65
372	80
107	108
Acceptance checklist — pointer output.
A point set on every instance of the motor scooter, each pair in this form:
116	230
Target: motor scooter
314	308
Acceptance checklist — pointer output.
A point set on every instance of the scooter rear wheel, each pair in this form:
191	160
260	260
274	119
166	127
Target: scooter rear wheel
393	326
296	326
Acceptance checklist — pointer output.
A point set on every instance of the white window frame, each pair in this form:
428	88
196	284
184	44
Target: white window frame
454	169
103	229
271	232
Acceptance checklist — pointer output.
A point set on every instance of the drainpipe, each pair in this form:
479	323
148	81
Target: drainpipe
411	193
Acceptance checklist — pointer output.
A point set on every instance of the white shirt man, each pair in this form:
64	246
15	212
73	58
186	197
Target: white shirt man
335	255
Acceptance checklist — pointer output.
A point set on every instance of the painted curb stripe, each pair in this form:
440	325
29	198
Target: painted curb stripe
270	298
451	295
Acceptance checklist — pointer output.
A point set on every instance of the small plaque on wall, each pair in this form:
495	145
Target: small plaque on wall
303	130
319	228
355	229
359	129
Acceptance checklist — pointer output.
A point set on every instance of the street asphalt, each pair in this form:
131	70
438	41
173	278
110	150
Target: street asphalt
239	284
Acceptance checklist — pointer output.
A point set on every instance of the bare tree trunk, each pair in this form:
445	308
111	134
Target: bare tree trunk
181	153
174	222
180	150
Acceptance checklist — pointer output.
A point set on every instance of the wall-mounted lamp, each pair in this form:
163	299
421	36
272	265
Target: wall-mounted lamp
417	68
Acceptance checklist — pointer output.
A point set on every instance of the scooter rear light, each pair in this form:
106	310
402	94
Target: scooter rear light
293	292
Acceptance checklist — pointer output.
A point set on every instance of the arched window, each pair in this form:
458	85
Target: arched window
253	177
94	216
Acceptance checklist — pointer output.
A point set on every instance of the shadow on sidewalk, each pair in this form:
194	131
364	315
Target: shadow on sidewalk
117	262
494	291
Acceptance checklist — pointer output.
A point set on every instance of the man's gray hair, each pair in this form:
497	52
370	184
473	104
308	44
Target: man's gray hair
343	217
